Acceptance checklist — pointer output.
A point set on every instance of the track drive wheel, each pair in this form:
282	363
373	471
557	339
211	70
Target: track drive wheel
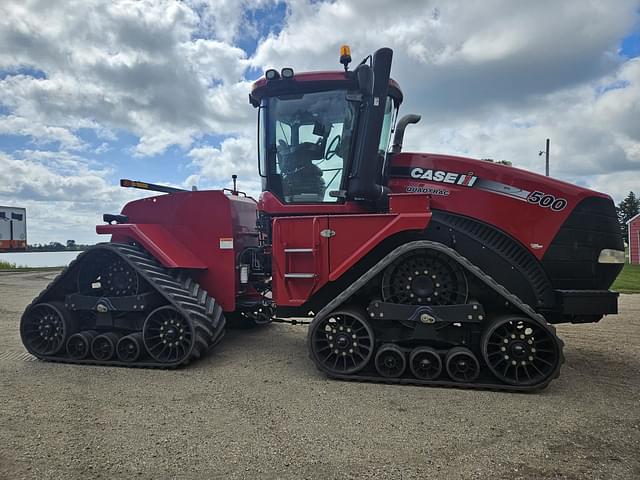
462	365
45	328
425	363
341	343
103	273
390	361
424	277
519	351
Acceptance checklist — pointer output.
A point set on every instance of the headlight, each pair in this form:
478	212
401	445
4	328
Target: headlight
611	256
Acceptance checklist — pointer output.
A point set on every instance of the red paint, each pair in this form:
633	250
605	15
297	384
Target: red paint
299	233
13	245
183	230
326	76
320	76
634	240
356	235
527	222
270	204
162	243
352	237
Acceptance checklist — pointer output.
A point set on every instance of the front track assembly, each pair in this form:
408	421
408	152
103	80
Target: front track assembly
508	347
116	305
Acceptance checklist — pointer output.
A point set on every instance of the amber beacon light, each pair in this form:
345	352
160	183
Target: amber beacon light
345	56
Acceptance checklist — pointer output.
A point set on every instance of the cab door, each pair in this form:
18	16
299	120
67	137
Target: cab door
300	258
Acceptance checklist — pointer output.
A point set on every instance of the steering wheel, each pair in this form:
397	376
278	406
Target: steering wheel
334	146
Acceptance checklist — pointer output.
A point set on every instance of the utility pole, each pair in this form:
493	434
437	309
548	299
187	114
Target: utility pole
546	158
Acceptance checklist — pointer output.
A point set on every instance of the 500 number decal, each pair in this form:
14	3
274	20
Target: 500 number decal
547	201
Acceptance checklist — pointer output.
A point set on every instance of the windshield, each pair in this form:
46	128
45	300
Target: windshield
308	141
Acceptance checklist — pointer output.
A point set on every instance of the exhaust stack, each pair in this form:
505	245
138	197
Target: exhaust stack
398	137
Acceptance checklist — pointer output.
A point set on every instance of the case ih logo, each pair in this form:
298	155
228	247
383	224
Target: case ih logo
466	180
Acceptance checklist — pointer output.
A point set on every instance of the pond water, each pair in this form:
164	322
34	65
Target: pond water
39	259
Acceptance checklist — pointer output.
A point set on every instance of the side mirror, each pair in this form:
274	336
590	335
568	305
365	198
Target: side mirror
364	74
318	129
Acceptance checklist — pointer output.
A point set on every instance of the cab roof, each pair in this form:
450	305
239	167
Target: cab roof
309	82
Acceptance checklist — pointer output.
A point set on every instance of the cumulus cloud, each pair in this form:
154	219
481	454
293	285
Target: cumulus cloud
40	133
215	166
129	65
65	195
592	134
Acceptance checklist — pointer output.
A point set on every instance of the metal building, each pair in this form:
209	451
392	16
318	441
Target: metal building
13	229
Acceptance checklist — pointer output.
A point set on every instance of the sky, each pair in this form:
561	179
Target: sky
92	91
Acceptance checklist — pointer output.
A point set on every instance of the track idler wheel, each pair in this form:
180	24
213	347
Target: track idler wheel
45	328
103	347
425	363
519	351
390	361
129	349
462	365
341	343
79	344
167	335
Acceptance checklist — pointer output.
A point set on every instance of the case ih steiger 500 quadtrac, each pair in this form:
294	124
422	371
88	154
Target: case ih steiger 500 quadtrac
416	268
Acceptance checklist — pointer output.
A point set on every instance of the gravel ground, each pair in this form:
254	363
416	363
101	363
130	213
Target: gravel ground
257	408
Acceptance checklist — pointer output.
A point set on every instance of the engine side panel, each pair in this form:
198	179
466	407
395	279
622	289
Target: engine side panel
527	206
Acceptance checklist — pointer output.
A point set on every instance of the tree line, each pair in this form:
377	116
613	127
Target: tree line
627	209
71	246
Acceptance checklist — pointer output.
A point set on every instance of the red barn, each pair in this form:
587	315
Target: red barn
634	240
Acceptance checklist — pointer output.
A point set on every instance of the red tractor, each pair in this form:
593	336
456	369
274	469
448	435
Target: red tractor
415	268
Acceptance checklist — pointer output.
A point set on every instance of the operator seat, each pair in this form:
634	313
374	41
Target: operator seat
301	179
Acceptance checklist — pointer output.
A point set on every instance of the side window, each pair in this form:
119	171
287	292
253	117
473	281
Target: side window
262	141
306	134
333	163
385	134
283	138
283	132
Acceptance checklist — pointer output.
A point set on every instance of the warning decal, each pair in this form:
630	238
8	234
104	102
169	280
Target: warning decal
226	243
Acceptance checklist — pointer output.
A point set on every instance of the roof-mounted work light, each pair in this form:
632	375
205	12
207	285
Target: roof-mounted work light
287	72
271	74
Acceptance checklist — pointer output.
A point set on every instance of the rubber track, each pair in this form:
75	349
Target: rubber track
477	272
180	291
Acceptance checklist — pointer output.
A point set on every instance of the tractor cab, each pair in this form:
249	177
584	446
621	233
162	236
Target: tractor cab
323	136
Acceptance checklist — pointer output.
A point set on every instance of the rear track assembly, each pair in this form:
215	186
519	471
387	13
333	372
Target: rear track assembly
116	305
